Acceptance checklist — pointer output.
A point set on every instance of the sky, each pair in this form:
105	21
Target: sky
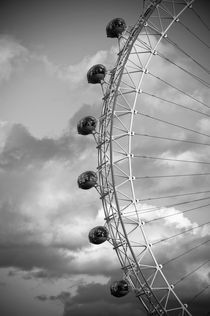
47	265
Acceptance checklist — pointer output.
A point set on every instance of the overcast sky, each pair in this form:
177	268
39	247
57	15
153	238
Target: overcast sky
47	266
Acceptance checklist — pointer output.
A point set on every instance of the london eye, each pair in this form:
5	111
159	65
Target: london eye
153	145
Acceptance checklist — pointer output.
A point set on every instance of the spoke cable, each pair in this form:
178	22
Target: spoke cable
170	159
172	196
157	208
175	103
173	175
172	139
185	70
178	213
179	48
195	35
172	124
172	86
186	54
176	160
190	273
184	232
199	17
184	253
199	293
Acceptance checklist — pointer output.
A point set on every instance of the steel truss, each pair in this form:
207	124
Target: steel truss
116	180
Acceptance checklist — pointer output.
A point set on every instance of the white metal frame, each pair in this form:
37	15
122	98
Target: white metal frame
147	279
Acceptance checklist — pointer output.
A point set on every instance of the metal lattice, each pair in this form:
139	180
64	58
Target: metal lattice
127	105
135	254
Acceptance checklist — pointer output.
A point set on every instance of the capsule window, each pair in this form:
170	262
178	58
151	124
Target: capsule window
87	180
115	28
96	74
98	235
119	288
87	125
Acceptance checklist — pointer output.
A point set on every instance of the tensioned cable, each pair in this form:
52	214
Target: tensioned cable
154	158
173	124
184	253
191	272
177	213
186	54
206	84
179	48
175	103
199	293
184	232
173	175
195	35
181	91
199	17
186	161
172	196
170	159
157	208
172	139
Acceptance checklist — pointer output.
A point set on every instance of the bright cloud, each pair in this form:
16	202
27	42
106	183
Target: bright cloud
11	55
45	217
75	75
204	125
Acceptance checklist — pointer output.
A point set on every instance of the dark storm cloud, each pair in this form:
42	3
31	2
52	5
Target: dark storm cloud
64	297
22	149
42	297
18	248
22	160
28	257
95	299
42	232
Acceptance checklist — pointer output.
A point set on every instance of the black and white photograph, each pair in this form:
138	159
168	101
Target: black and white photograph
104	158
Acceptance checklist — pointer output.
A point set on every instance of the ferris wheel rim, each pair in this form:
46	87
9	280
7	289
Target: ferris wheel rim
109	116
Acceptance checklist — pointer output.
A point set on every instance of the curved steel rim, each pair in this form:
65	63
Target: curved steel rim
110	200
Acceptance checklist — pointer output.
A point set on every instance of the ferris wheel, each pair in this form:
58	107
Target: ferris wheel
153	173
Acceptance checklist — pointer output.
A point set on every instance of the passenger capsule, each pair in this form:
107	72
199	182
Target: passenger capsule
96	74
87	125
87	180
98	235
115	28
119	288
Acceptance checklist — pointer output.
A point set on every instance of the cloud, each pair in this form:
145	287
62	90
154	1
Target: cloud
95	299
12	54
76	74
21	148
41	94
43	228
45	218
40	195
204	125
42	297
